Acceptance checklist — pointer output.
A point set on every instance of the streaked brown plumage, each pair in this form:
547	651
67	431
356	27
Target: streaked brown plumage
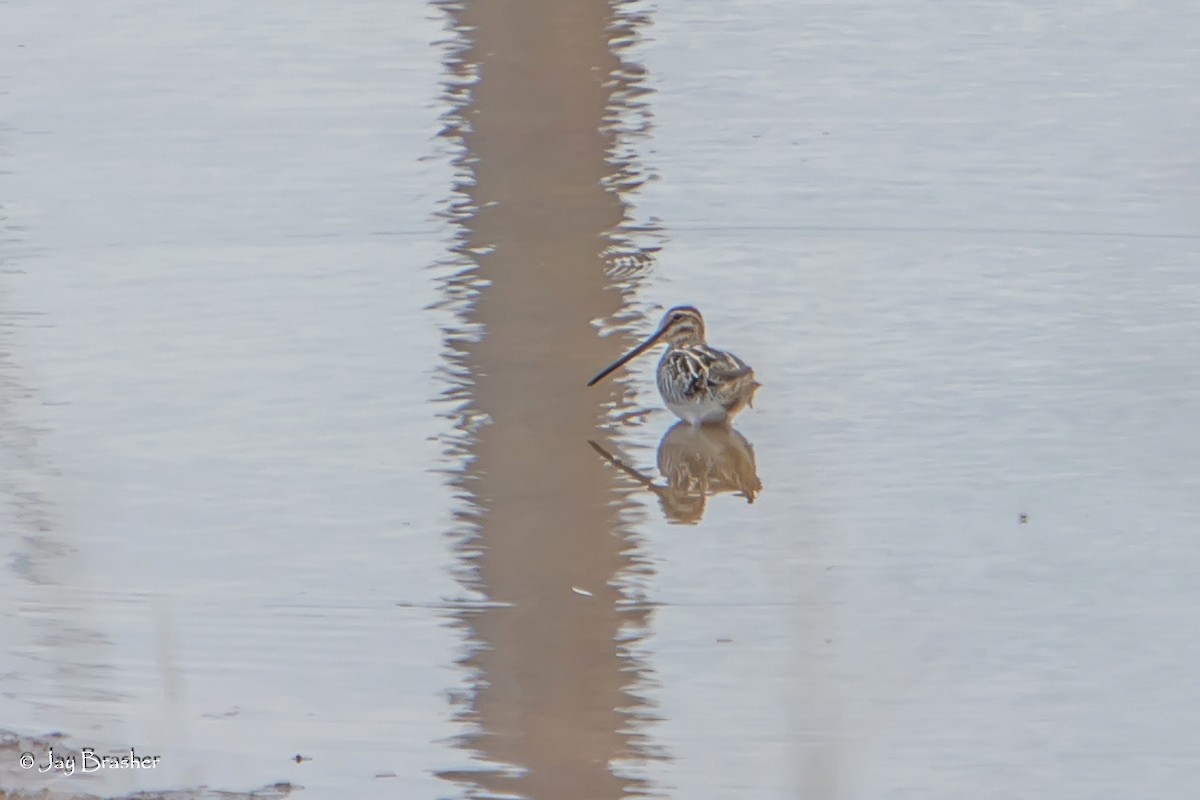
700	384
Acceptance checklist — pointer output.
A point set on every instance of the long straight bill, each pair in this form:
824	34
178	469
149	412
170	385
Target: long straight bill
632	354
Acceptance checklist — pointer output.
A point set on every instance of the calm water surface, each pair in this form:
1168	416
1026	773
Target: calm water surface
296	307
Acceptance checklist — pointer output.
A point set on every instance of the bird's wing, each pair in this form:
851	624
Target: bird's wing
725	367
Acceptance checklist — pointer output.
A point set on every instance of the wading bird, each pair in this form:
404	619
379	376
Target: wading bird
700	384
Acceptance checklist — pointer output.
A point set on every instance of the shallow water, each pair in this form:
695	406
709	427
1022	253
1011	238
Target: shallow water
295	317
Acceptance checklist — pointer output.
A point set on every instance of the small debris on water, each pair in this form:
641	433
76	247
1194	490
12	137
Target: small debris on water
233	712
583	592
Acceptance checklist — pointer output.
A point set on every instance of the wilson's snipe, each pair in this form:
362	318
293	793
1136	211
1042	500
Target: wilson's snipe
700	384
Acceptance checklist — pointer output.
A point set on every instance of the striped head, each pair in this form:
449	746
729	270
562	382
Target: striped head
681	326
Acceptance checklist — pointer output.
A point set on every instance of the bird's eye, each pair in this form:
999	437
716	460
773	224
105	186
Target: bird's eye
677	317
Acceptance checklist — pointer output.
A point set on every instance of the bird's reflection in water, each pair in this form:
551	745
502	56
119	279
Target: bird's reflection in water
697	463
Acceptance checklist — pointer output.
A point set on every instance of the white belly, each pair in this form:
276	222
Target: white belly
707	412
